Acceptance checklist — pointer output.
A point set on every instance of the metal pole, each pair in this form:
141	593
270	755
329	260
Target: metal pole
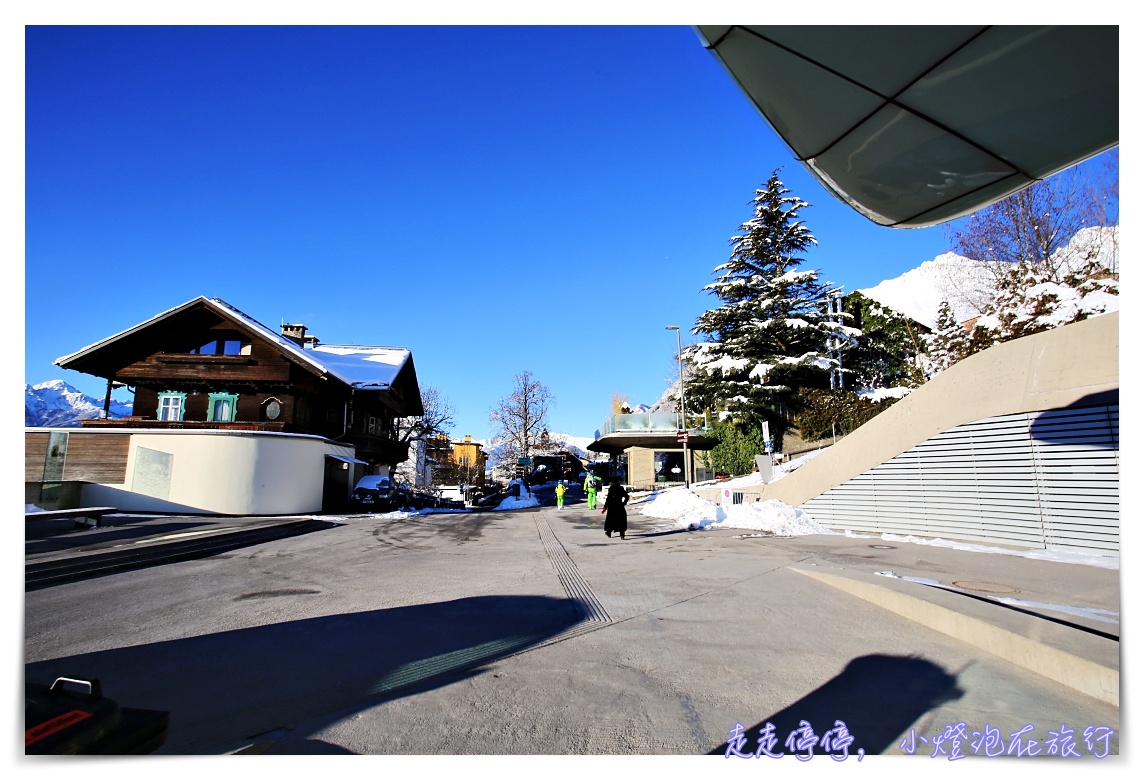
682	405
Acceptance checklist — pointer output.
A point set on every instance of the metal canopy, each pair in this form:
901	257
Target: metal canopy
914	126
616	443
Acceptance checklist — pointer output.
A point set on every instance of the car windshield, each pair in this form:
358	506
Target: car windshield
373	482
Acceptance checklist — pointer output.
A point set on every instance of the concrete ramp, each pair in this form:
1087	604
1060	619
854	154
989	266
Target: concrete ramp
1017	445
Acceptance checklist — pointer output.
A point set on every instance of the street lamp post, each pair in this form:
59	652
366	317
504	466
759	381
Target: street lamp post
682	406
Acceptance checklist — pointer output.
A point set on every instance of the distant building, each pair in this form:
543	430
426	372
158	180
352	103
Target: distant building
647	449
457	463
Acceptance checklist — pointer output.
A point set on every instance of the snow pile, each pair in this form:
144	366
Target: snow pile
684	508
772	517
523	502
687	510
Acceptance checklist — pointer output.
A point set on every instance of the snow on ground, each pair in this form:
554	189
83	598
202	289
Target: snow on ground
1092	613
683	509
403	514
780	471
1057	556
512	502
878	393
687	510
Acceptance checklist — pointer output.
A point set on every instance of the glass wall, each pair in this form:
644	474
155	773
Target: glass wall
669	466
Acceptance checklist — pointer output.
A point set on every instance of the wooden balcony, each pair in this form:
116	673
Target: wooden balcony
200	425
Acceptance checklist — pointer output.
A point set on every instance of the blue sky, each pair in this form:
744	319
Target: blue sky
495	199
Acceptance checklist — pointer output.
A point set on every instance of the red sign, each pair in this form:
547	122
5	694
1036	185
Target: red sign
681	437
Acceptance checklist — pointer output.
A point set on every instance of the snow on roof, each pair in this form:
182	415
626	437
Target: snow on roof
361	366
354	365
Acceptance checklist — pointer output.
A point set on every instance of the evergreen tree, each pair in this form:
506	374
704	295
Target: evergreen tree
886	353
823	414
735	453
950	342
1032	297
769	335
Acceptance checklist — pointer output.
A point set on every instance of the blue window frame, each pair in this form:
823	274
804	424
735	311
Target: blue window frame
221	407
172	405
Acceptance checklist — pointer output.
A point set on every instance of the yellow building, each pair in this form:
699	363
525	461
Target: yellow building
457	462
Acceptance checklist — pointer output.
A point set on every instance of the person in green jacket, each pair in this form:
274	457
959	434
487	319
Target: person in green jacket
560	490
590	489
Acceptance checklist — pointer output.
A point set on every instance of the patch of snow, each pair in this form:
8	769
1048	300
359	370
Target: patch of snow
780	471
1092	613
878	393
1060	556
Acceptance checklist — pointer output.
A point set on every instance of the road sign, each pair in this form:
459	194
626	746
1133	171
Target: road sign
681	437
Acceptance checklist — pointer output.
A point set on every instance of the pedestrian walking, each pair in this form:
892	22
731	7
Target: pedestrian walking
560	490
616	517
590	490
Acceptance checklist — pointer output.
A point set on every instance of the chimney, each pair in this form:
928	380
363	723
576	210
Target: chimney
297	334
468	439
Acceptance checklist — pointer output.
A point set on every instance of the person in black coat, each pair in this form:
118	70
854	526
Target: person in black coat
616	519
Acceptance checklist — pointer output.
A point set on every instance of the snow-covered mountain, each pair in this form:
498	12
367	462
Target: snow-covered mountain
918	293
968	284
578	445
57	404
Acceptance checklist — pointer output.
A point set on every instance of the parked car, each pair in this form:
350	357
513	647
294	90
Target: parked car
374	493
401	496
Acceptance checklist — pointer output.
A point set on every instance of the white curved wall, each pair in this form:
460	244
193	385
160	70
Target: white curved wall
220	472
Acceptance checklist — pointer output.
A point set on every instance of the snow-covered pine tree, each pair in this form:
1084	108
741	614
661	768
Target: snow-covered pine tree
950	342
1031	298
769	335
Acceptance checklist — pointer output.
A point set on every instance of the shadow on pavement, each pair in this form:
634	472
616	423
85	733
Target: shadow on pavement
878	697
230	686
65	536
670	532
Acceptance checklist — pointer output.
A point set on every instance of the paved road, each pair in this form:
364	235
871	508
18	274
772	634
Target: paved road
530	632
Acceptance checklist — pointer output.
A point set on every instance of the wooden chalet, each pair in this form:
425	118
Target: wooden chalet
207	365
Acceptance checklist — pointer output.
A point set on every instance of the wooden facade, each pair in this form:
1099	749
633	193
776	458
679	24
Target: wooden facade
206	351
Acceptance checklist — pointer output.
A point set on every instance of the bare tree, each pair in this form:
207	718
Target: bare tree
522	417
1036	223
436	417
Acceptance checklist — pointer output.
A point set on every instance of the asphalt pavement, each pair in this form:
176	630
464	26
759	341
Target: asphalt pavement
531	633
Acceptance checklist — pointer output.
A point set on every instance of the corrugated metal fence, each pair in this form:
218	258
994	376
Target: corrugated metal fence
1048	480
